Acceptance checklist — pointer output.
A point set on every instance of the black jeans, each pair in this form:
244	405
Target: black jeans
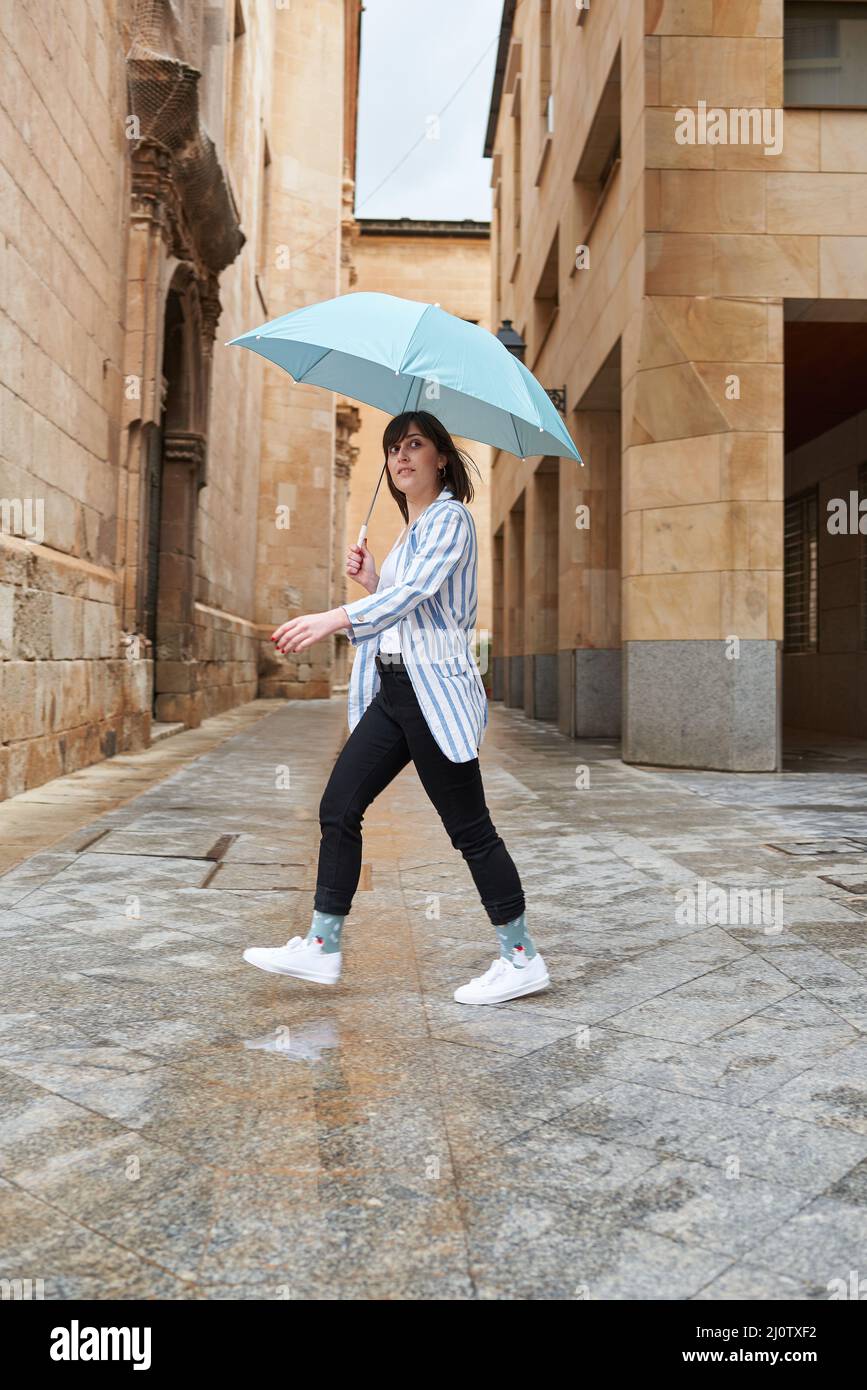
391	732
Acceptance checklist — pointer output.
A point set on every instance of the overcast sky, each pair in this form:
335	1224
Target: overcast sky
414	57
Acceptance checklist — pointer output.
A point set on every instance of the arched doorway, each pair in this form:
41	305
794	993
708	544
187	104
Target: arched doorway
175	471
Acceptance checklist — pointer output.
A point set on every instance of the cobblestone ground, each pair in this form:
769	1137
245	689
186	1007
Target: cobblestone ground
682	1115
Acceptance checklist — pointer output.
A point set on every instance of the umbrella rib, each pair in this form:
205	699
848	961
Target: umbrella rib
517	438
313	364
415	329
414	382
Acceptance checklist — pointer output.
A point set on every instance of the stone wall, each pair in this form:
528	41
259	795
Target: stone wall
130	251
68	696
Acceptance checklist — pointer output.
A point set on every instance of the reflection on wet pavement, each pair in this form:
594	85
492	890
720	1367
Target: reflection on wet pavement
306	1043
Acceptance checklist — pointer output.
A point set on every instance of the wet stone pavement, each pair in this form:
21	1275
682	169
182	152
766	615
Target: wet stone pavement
682	1115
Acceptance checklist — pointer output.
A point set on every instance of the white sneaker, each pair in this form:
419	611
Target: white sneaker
503	980
298	959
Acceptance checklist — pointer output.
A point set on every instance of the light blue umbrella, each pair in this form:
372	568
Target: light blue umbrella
400	354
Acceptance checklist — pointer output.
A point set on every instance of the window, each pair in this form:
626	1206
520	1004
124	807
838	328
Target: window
825	53
545	104
547	296
512	84
862	540
497	230
801	573
516	176
610	164
546	92
600	158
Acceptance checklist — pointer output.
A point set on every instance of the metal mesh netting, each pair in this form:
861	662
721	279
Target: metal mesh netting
164	96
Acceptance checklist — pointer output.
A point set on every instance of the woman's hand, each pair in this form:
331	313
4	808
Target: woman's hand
300	633
361	567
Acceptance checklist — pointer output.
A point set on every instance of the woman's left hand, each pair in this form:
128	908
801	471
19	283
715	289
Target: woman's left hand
300	633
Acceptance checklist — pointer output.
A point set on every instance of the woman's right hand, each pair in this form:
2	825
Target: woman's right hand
361	567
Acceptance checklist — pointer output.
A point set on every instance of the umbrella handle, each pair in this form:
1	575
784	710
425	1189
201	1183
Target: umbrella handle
362	535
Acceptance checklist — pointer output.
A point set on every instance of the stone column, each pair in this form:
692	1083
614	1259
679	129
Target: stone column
175	667
589	637
540	637
702	381
151	194
210	310
495	678
513	605
702	511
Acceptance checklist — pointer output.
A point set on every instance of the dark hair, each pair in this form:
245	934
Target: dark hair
455	476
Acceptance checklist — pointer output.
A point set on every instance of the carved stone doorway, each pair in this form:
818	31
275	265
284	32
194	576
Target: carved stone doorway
176	472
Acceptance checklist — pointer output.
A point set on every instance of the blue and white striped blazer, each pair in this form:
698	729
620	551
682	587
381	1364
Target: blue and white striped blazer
434	601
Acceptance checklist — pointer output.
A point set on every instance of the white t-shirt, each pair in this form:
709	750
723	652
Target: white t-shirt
389	640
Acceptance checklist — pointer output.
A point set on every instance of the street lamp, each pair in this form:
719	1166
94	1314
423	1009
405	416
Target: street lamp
514	343
511	339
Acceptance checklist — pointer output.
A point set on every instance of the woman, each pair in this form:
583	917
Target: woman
415	695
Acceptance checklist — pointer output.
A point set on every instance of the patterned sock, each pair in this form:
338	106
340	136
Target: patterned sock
516	944
325	927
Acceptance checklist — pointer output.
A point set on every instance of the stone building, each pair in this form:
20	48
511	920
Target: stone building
679	236
438	262
174	172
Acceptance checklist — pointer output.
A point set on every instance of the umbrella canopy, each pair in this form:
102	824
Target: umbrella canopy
399	354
